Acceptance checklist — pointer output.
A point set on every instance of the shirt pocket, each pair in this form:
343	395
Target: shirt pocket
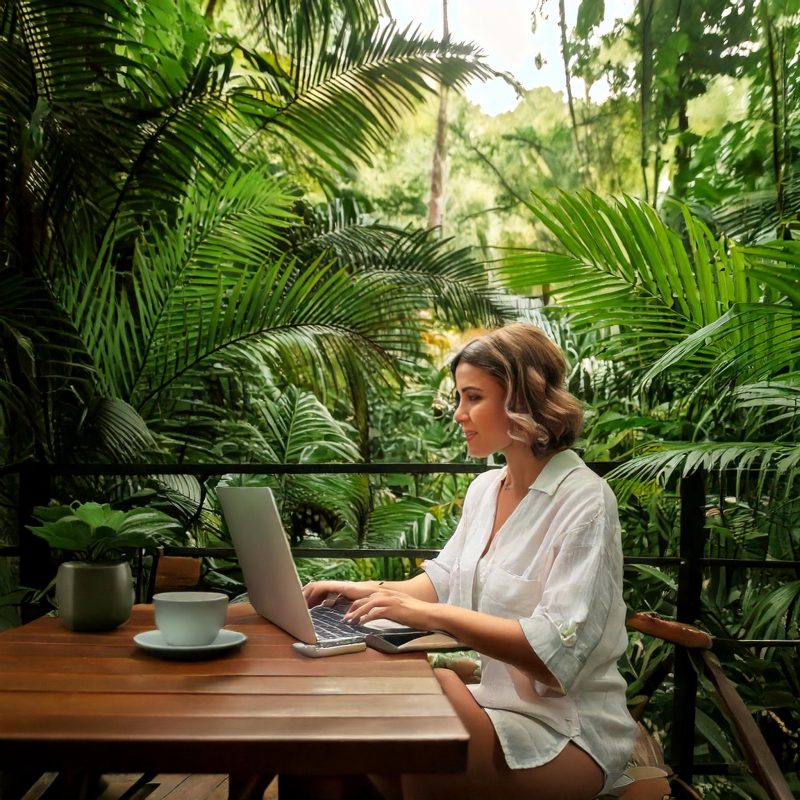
508	595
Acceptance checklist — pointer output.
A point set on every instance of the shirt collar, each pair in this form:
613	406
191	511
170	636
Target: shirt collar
555	471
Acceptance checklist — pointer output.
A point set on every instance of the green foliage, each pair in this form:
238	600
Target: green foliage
95	532
590	14
704	328
293	427
493	162
145	229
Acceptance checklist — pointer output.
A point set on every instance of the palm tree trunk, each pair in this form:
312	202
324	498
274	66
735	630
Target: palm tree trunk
683	150
775	102
646	88
438	171
683	154
562	23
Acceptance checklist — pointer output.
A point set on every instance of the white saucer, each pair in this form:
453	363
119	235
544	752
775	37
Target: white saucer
154	641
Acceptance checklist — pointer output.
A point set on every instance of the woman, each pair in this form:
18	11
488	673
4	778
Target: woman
531	579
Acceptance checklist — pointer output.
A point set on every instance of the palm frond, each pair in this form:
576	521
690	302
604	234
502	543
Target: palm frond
216	240
112	116
343	96
397	524
298	429
215	282
449	281
61	67
752	342
156	255
112	428
776	614
753	216
276	17
776	464
777	265
45	364
303	431
776	402
189	136
626	273
71	47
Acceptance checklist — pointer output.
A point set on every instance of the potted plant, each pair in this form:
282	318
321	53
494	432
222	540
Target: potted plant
94	591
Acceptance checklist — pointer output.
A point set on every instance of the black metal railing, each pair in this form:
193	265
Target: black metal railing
36	482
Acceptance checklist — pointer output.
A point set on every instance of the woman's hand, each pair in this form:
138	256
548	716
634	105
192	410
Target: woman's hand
317	592
396	606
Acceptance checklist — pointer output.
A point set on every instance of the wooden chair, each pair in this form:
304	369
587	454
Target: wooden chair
173	573
759	758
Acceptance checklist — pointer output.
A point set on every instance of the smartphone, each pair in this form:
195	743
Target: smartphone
322	650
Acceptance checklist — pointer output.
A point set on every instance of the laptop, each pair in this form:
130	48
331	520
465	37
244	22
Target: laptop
270	575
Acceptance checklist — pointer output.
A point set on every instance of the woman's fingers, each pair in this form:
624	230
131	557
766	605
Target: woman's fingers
385	603
370	614
359	607
317	591
366	604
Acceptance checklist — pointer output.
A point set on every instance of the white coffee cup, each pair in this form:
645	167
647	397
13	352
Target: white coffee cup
190	619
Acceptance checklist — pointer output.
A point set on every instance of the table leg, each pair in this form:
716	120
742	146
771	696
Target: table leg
247	787
326	787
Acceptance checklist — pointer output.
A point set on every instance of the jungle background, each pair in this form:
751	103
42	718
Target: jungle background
225	238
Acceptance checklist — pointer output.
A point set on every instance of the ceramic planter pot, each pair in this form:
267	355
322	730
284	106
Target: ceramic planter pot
94	597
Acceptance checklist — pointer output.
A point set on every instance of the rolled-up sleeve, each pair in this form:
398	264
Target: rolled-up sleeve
569	622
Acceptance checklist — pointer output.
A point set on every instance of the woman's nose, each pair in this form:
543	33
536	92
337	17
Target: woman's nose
459	414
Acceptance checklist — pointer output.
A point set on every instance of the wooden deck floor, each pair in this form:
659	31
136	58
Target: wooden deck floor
160	787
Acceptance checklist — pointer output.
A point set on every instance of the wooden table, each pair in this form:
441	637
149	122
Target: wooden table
97	701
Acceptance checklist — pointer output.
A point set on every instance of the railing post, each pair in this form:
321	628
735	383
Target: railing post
690	582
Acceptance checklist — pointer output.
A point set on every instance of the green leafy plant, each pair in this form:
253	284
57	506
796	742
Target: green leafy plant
96	532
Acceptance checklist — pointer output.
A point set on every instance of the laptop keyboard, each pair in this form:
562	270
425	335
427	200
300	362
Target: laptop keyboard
330	626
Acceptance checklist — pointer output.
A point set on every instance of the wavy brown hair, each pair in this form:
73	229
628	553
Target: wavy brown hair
531	368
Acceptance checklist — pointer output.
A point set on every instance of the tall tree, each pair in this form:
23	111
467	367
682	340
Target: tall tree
645	94
436	203
566	58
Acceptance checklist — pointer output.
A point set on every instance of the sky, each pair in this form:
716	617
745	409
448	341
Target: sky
502	28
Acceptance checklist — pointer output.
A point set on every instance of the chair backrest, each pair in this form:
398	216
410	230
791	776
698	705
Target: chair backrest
173	573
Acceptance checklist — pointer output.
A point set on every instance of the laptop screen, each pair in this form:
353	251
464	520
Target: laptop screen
270	575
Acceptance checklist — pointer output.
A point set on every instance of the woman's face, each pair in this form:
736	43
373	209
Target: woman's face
481	411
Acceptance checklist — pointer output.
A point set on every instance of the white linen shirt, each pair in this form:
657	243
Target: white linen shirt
556	566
